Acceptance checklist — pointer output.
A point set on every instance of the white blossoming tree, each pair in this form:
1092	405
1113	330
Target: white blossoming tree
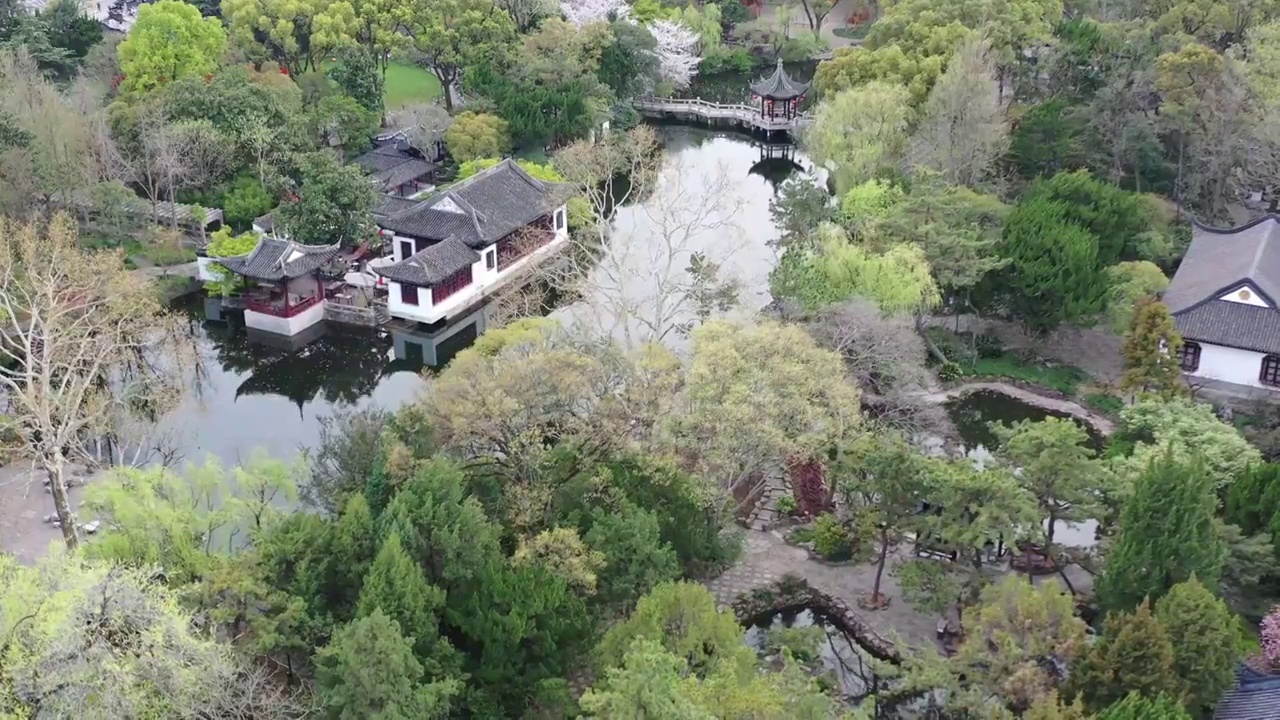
585	12
677	52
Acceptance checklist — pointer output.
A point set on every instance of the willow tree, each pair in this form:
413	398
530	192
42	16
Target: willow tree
78	342
860	133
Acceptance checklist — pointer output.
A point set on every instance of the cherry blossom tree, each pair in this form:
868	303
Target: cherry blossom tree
585	12
1270	636
676	50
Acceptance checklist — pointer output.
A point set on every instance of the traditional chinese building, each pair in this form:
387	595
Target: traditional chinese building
287	293
459	245
779	96
1223	298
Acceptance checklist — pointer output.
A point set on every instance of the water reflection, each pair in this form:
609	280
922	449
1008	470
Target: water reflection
262	391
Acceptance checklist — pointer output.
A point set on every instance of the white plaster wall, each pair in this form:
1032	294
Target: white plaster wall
202	265
1238	296
285	326
1230	365
483	282
422	312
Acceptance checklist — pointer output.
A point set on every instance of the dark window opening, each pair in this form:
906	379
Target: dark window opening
1189	356
451	285
490	259
406	249
559	219
409	294
1270	374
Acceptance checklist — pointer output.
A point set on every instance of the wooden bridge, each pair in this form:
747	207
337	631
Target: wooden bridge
747	116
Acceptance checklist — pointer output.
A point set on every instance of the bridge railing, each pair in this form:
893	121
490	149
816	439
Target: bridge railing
695	102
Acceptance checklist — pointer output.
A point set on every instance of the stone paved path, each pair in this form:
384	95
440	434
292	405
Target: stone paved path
766	558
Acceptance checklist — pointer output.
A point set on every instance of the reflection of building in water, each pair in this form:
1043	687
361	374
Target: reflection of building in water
777	163
418	346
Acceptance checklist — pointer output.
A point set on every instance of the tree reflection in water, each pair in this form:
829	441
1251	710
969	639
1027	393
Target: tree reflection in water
342	365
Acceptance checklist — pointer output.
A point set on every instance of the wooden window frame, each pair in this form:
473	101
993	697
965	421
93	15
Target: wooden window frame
1269	373
408	294
451	285
1189	356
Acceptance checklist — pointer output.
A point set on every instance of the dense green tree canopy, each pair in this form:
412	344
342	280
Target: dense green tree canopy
169	41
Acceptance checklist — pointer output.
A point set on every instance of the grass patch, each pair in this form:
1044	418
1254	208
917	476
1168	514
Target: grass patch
408	84
1104	403
1066	379
852	32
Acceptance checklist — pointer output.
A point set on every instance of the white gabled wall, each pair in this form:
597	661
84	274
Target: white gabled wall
1230	365
1247	295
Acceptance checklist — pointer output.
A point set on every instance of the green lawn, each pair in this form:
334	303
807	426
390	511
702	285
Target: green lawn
408	84
1063	378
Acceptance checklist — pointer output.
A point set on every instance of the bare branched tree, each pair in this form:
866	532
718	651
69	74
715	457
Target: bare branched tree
156	160
78	340
659	270
885	356
424	125
963	131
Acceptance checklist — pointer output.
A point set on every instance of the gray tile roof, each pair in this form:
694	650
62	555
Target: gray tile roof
779	85
431	265
387	205
1218	262
402	173
1234	324
1255	697
393	164
1220	259
275	259
482	209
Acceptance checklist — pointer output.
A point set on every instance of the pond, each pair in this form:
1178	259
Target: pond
972	415
262	391
843	661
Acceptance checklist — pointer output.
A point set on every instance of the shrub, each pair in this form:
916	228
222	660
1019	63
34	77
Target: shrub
245	201
786	505
949	371
808	486
831	539
988	346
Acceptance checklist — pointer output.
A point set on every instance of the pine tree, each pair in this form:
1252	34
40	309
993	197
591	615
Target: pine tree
1253	499
1206	642
396	586
1134	654
1151	352
368	670
352	546
1167	534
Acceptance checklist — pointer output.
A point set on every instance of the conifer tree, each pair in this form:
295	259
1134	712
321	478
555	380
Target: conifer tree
396	586
351	548
1206	642
1134	654
1167	534
368	670
1151	352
